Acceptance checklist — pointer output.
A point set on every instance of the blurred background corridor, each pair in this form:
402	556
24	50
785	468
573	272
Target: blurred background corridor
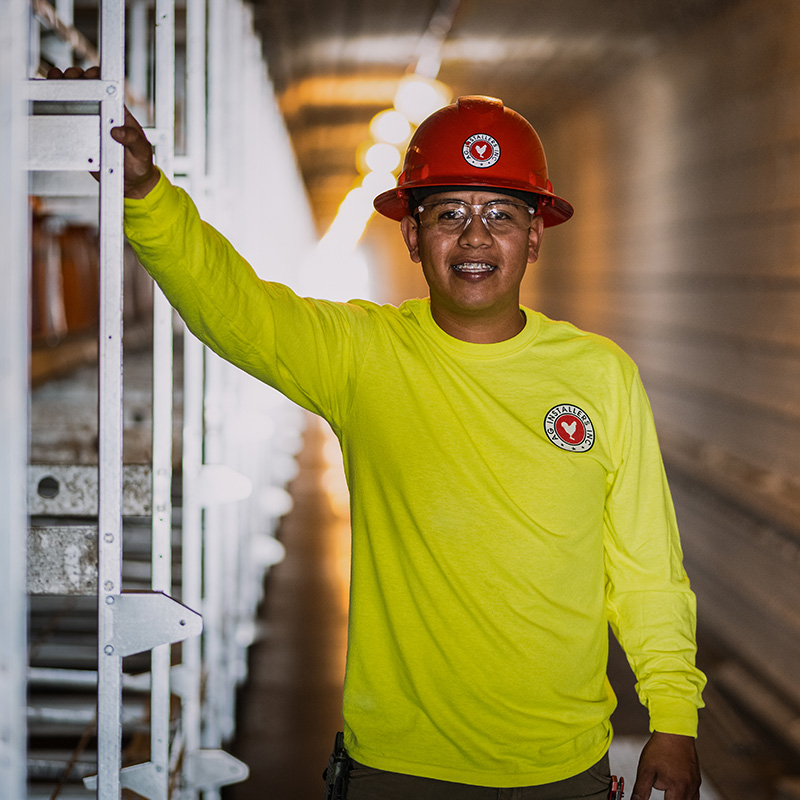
133	459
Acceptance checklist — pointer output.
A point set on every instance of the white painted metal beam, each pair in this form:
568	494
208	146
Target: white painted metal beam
14	266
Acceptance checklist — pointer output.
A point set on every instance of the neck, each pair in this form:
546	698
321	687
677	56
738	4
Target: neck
479	329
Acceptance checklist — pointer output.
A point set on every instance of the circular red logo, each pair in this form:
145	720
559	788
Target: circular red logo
569	428
481	150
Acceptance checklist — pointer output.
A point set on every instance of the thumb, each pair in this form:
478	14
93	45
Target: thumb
130	134
139	150
123	134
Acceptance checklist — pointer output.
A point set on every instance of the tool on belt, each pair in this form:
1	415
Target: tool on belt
336	773
617	785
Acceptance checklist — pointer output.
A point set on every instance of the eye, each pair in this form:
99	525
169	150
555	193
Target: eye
452	213
498	214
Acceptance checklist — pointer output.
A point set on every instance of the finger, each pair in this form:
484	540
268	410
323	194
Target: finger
73	72
643	787
682	792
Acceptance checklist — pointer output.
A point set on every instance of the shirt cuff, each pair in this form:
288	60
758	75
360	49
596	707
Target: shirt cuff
673	715
153	213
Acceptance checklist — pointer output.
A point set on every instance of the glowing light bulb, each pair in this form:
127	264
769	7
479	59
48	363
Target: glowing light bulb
390	126
418	97
376	182
382	157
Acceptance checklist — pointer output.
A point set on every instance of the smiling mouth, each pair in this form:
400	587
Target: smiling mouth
474	268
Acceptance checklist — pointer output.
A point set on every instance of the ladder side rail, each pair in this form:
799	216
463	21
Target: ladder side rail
14	264
191	543
220	143
193	382
109	689
229	138
214	556
237	447
162	408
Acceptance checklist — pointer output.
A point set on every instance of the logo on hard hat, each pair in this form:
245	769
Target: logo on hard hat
481	150
569	428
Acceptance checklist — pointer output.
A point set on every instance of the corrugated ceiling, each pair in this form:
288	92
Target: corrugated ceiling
336	63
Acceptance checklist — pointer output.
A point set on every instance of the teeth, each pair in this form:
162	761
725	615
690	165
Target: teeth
473	267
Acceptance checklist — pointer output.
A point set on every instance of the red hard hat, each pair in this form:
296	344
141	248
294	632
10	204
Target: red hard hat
478	142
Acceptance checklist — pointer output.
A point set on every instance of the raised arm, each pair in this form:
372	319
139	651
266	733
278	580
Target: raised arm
304	348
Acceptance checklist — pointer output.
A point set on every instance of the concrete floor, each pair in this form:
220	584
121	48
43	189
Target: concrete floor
290	708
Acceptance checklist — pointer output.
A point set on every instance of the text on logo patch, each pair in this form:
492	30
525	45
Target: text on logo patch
481	150
567	426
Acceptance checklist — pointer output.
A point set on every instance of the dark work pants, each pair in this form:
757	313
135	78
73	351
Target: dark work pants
374	784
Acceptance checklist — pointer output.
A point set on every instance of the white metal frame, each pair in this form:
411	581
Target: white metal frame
162	413
235	430
14	266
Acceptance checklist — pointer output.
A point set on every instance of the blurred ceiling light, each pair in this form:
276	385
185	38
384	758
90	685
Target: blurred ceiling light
418	97
336	270
355	212
330	90
378	181
539	49
349	223
382	157
390	126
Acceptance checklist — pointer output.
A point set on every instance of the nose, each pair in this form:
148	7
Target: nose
476	232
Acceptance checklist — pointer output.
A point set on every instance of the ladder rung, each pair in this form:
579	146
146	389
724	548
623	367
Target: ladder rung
71	490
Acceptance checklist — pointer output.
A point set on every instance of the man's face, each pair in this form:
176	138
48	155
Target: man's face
474	274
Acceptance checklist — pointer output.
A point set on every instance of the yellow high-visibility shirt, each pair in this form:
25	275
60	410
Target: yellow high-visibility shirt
508	502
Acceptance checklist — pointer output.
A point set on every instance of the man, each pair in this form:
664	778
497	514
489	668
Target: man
508	499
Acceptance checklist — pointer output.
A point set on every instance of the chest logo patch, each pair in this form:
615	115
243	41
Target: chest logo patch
569	428
481	150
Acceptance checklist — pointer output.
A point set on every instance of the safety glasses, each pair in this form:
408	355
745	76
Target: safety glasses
452	216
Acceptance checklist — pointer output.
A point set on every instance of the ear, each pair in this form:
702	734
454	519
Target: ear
409	227
535	238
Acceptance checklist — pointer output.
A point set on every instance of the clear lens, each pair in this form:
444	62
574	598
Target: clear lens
452	216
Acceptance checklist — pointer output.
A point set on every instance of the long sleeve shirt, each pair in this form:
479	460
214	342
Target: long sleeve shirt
508	502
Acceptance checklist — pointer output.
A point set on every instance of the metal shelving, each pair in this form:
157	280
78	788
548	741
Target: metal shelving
166	508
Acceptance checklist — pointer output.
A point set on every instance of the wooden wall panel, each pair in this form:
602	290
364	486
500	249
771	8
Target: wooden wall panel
685	248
